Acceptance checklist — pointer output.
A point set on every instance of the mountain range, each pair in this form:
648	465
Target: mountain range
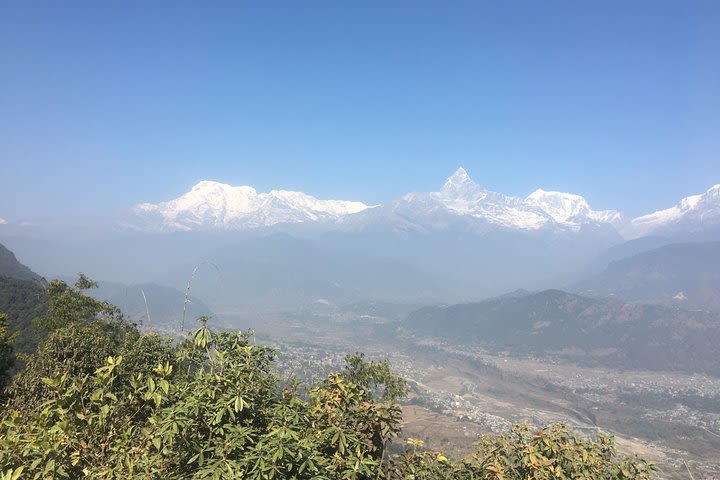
461	201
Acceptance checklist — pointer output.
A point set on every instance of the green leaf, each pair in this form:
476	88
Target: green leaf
16	474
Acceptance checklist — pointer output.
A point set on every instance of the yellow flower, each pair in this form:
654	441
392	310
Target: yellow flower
415	442
441	458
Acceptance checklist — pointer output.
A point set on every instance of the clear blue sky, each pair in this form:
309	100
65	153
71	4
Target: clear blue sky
107	104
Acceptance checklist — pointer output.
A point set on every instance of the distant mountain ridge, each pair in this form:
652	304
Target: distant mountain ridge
10	267
685	275
590	330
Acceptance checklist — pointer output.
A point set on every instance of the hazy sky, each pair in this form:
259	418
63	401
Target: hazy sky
107	104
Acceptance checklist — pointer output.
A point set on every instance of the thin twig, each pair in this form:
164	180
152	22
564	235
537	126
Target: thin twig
187	297
186	300
147	309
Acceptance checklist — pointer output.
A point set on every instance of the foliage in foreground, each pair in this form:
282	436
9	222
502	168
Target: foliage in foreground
100	400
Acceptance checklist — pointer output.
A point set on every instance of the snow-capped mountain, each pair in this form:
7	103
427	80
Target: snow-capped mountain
570	209
460	198
460	201
219	206
693	214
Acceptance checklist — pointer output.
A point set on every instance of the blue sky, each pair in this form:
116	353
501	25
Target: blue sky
108	104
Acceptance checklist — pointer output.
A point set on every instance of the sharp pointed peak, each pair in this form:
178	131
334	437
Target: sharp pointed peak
459	178
460	174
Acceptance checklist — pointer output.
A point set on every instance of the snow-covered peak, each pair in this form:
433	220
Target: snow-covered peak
215	205
550	196
460	186
208	186
568	207
460	177
692	213
461	196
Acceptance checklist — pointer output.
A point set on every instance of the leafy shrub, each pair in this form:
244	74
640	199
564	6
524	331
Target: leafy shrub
7	355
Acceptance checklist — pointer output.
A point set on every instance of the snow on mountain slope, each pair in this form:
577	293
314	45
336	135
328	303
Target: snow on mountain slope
219	206
461	196
692	214
569	208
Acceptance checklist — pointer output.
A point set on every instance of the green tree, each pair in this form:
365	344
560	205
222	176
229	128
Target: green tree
23	301
7	355
375	378
83	332
68	305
